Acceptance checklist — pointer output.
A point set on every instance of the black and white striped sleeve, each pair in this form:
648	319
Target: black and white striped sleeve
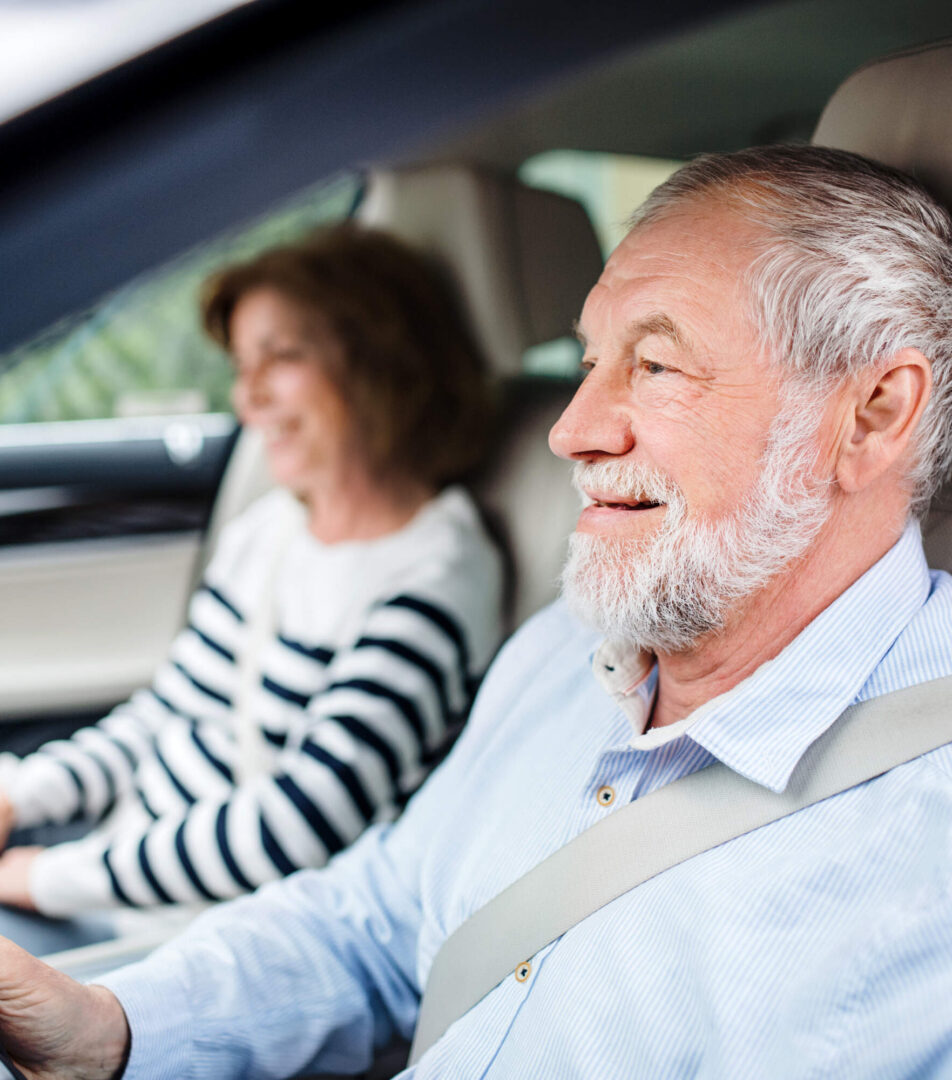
364	741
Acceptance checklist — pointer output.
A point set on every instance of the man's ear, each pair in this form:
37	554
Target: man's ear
884	416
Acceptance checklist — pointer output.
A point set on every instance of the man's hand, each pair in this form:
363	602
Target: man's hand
55	1028
15	864
8	819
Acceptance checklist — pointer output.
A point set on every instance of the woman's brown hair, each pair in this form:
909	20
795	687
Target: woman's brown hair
411	372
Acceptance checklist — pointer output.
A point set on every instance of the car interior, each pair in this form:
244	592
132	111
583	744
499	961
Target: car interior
104	603
523	260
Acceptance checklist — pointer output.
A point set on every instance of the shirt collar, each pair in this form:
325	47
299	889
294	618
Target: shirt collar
762	727
629	676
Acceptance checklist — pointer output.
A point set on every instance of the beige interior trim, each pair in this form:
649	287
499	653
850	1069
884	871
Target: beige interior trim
83	624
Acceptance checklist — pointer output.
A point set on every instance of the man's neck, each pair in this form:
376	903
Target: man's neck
765	623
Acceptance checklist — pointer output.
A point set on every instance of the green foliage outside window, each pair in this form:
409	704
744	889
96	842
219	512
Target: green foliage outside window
141	349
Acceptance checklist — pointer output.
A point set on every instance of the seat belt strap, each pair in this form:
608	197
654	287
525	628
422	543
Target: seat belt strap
254	755
660	830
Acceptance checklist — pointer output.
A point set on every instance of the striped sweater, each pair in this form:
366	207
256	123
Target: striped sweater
373	656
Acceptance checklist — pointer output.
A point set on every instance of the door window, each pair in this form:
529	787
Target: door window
141	352
610	187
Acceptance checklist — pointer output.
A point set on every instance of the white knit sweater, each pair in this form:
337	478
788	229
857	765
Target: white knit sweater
374	655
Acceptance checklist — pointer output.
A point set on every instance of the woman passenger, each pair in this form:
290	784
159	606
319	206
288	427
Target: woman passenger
341	627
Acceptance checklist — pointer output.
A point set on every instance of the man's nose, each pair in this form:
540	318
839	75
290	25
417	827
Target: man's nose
595	423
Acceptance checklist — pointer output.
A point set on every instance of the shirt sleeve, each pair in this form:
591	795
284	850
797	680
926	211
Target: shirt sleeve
309	974
365	742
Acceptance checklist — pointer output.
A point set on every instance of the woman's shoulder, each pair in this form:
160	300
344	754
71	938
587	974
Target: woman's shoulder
452	516
447	537
448	559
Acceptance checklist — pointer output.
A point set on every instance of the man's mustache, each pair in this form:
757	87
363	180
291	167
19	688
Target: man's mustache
629	481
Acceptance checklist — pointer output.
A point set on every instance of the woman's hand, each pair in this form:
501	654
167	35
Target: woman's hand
15	864
55	1028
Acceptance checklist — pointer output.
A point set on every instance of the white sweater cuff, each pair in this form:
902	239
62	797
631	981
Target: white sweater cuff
67	879
36	789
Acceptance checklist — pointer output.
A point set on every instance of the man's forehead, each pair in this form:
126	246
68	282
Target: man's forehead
702	252
710	228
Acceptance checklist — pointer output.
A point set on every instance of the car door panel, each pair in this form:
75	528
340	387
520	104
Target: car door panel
101	533
83	624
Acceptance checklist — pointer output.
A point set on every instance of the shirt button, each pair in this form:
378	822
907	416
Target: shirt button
605	795
523	971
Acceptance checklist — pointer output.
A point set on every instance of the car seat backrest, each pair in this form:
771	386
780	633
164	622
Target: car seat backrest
897	110
525	491
523	261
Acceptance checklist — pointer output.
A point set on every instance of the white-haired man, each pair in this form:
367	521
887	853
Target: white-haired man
766	409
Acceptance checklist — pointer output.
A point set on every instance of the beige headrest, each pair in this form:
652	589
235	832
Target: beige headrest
524	259
898	110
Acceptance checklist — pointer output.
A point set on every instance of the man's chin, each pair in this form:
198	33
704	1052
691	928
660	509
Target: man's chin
636	595
594	579
597	565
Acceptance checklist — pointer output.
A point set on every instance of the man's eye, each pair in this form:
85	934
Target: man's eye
652	367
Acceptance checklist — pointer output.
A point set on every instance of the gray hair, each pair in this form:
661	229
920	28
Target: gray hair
856	264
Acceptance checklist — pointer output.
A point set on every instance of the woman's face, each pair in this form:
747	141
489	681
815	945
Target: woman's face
281	351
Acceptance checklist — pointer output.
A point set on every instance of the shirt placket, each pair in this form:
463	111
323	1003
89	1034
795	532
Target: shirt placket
613	779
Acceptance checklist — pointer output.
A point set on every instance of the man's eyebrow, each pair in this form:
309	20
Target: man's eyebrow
656	323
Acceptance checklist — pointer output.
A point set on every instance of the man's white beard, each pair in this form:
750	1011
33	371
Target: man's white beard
666	591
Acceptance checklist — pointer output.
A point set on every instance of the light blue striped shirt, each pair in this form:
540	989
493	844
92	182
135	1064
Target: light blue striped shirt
818	946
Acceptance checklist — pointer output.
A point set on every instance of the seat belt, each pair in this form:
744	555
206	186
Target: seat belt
660	830
254	756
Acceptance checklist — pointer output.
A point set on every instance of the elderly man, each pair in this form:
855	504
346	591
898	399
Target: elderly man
764	414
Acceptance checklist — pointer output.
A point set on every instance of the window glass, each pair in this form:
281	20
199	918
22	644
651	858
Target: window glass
141	351
560	357
609	186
